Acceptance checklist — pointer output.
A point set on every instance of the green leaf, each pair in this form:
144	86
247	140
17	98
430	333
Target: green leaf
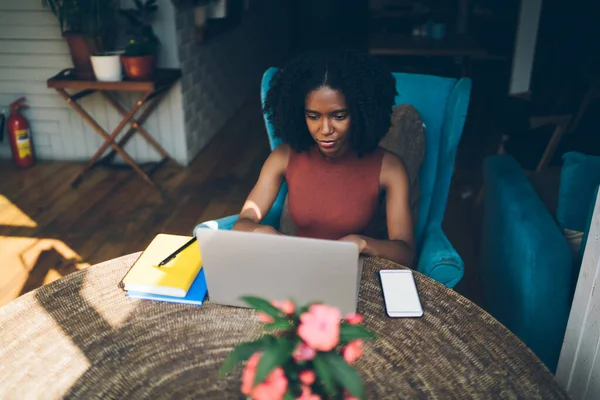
288	396
241	353
349	333
324	373
263	306
282	325
272	357
344	374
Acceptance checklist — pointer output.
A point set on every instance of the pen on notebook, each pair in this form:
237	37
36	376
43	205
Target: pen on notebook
179	250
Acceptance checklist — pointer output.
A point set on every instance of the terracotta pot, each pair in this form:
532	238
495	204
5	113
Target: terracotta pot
81	52
139	68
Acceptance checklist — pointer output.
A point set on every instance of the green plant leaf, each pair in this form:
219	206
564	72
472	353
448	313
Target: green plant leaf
344	374
241	353
279	325
324	373
263	306
272	357
349	333
288	396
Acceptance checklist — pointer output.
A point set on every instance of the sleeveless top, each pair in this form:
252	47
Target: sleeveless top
332	198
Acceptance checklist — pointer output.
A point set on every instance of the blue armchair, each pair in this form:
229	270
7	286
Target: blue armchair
442	104
526	262
528	268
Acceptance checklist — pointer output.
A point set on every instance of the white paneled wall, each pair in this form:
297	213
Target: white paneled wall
578	368
32	50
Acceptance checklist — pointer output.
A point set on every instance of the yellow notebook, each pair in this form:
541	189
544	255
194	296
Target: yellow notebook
172	279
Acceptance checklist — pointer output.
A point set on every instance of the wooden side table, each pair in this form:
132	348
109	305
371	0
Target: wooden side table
152	92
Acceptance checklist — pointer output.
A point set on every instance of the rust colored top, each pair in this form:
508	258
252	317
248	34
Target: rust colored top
329	198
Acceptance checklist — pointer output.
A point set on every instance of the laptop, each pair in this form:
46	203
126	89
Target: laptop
278	267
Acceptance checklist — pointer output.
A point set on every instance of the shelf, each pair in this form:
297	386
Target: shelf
383	44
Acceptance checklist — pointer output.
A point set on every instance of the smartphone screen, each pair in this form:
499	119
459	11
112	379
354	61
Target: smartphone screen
400	293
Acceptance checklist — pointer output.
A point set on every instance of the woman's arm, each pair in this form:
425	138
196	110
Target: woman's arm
264	193
400	245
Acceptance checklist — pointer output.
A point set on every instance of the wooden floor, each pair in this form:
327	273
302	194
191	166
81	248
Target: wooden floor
48	229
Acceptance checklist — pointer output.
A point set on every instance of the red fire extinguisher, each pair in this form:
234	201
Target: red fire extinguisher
19	135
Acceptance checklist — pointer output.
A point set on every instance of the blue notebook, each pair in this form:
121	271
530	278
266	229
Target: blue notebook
195	294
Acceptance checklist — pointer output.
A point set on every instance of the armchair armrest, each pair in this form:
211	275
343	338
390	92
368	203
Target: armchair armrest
225	223
439	260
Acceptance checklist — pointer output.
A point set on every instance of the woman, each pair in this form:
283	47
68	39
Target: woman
331	110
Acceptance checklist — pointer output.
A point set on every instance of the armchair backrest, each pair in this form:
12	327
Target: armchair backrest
442	104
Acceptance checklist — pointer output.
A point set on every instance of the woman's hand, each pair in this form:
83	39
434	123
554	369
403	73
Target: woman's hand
356	239
267	229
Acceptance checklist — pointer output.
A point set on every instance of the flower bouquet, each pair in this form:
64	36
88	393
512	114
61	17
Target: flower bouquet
307	356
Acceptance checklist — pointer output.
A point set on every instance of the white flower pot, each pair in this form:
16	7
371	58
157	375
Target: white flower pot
107	67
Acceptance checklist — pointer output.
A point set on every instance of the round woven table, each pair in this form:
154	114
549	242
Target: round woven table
80	337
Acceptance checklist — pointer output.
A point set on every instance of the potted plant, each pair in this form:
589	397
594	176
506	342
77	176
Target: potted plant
308	355
139	58
107	66
88	28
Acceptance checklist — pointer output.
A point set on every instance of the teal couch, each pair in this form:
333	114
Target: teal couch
442	104
528	268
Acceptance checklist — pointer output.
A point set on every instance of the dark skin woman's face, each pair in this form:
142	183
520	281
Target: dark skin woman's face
328	121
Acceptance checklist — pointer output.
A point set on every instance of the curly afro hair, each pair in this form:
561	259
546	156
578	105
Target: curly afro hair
369	89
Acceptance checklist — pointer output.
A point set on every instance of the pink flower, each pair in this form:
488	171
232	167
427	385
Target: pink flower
320	327
353	351
264	318
307	394
249	373
354	319
286	306
307	377
303	352
272	388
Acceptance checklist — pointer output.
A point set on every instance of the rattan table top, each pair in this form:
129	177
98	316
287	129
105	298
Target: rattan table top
80	337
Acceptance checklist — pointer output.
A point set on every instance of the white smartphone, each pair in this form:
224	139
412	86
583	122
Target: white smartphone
400	293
